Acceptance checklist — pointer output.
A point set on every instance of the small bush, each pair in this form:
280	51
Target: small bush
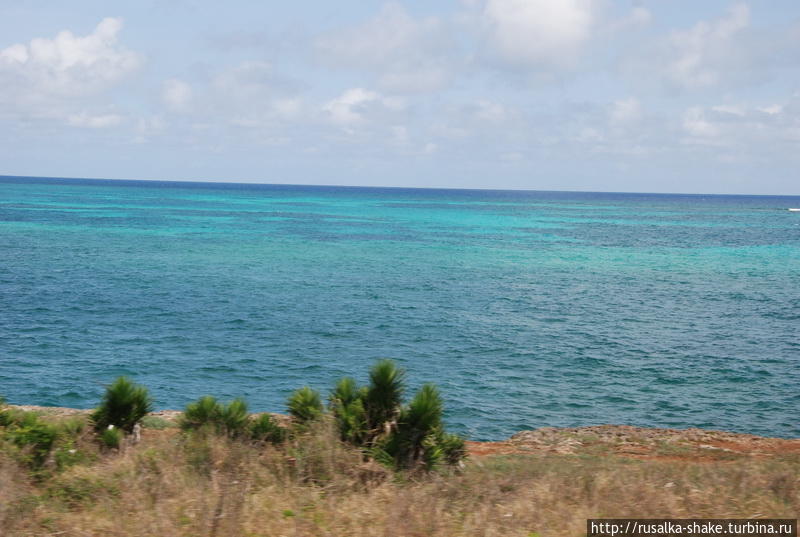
208	413
112	437
305	405
347	405
203	413
124	404
401	437
234	417
418	440
33	437
384	396
265	429
5	415
453	446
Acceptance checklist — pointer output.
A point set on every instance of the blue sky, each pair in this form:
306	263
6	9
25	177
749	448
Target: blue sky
643	96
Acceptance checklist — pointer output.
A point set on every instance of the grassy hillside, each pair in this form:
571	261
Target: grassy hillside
204	483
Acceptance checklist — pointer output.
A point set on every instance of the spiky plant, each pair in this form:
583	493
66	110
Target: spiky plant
419	439
345	392
347	405
265	429
419	420
233	418
453	446
203	413
123	406
305	404
384	396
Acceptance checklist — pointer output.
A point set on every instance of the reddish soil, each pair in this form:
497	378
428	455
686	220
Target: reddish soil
639	443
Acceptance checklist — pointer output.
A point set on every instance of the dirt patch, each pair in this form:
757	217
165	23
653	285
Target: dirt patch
639	443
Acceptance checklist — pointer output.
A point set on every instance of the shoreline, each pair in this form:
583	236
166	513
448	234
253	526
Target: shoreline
645	443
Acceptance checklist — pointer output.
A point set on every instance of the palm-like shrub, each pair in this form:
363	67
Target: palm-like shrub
265	429
234	417
403	437
305	404
203	413
209	414
123	406
347	405
413	440
453	448
384	395
421	419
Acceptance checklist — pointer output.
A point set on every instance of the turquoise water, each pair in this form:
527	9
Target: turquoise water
527	308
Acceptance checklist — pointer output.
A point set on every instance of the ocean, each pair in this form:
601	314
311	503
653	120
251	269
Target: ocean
526	308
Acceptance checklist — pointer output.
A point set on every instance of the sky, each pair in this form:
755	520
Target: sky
597	95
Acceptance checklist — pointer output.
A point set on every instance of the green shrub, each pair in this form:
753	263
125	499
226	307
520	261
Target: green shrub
402	437
124	404
33	437
453	446
203	413
384	395
419	440
234	417
209	414
5	415
67	454
111	437
265	429
305	405
347	406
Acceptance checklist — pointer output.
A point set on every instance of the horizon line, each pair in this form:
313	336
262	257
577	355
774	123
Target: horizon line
394	187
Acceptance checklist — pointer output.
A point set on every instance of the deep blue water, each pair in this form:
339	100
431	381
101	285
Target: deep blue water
527	308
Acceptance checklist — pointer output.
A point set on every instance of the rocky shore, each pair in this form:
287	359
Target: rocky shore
621	440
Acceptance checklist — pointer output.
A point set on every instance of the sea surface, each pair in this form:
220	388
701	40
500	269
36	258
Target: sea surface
528	309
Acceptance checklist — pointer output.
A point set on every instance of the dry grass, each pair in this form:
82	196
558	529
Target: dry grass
174	485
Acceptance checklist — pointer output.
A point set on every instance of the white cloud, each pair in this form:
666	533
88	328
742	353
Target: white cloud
625	111
146	127
736	110
696	124
404	53
287	108
346	108
771	109
94	121
176	94
538	33
400	134
350	107
491	111
638	18
702	53
246	81
67	65
747	127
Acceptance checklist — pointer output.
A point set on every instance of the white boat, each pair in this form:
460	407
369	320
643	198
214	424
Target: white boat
795	210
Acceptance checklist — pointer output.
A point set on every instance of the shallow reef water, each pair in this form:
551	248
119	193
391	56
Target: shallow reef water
528	309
